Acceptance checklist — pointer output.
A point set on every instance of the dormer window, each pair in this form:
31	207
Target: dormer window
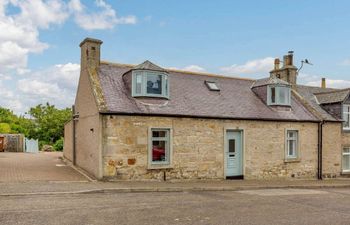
278	95
346	117
150	83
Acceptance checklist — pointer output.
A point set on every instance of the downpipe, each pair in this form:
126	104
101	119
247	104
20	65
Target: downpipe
319	153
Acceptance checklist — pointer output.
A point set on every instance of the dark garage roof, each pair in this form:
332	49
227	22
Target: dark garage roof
189	97
334	96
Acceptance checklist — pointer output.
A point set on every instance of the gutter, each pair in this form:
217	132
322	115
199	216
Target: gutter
319	152
206	117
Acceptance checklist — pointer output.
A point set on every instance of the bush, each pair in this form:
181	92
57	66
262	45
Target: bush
58	146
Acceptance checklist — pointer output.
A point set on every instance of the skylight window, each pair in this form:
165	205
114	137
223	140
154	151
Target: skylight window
212	86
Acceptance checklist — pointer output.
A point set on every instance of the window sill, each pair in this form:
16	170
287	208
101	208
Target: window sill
292	160
279	104
346	130
346	172
159	166
151	96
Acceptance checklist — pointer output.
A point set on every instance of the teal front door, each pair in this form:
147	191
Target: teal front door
233	154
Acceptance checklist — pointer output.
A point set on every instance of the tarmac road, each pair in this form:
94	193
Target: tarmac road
263	206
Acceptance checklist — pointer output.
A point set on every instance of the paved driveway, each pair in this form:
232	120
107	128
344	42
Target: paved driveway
45	166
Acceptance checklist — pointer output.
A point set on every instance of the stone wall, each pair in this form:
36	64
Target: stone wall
345	141
198	148
332	150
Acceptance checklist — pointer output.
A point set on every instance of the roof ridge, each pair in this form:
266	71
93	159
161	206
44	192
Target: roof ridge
332	91
180	71
208	74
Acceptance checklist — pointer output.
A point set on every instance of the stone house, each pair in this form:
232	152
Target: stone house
140	122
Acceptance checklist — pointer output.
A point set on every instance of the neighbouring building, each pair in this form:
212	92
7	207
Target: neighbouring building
140	122
12	143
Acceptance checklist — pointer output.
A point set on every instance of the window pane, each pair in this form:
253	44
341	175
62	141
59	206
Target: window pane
159	151
154	84
287	96
282	95
291	148
232	146
346	162
292	143
138	84
273	95
166	85
346	150
346	116
290	134
159	133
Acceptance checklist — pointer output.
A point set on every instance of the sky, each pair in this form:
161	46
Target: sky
40	55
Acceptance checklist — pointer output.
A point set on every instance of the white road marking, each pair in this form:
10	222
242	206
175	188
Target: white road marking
281	192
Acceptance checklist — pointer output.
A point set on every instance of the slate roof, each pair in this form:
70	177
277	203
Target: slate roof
309	94
268	81
189	97
332	96
147	65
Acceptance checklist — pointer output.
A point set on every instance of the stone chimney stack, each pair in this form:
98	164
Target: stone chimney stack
288	72
90	53
323	83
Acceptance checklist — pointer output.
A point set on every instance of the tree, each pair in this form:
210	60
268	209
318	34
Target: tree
49	122
13	124
5	128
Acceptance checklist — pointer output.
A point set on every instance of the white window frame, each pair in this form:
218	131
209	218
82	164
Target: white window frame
346	114
278	90
169	153
296	154
348	155
144	74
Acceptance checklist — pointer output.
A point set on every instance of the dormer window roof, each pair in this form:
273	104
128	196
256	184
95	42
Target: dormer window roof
150	80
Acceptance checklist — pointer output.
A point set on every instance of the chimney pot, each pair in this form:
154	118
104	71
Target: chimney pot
323	83
277	64
288	59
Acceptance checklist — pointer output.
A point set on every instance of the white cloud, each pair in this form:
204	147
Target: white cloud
5	77
19	34
62	79
38	89
194	68
40	14
105	18
12	55
56	84
9	99
315	80
261	66
19	37
346	62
